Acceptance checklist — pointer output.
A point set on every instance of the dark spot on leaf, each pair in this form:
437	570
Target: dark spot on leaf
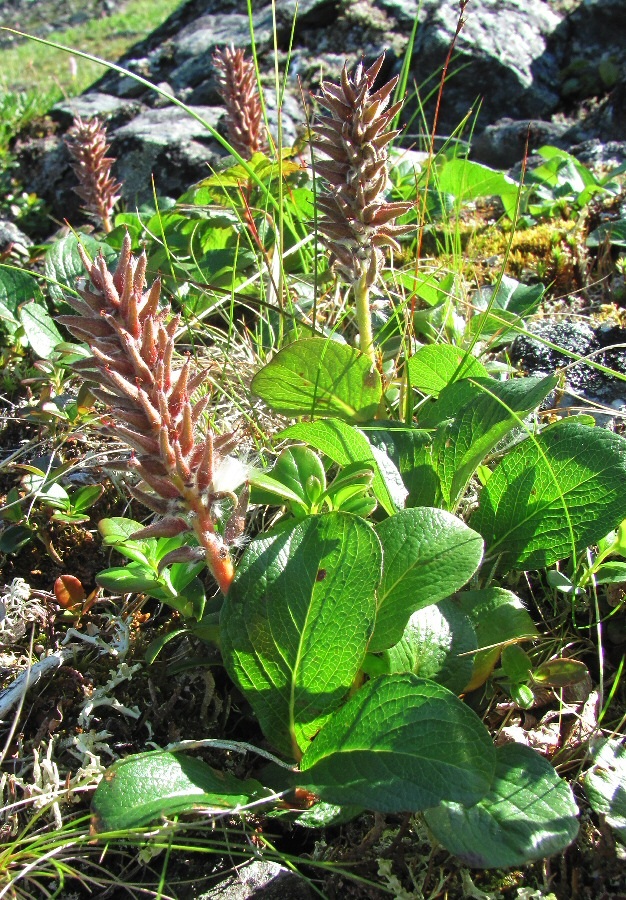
321	575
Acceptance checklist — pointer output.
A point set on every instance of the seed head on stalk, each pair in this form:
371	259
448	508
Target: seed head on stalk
86	142
237	84
149	395
357	222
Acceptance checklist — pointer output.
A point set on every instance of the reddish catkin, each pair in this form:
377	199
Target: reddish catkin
148	391
86	142
238	88
356	221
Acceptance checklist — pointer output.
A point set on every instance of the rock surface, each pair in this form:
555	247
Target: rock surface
603	345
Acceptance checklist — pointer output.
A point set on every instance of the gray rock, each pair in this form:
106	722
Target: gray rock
12	237
167	145
261	879
506	142
502	55
310	13
114	111
208	32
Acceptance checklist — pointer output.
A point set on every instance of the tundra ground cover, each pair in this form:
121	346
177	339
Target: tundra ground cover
426	526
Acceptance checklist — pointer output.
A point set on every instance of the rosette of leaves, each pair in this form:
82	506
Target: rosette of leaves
357	222
149	394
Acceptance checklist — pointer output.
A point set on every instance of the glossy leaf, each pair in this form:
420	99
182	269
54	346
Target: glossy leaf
16	287
317	377
438	643
529	813
605	783
345	444
435	366
428	554
411	450
470	418
39	328
468	180
553	495
400	744
297	619
560	673
142	788
499	617
63	264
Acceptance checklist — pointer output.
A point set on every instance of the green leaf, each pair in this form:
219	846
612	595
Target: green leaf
297	619
529	813
142	788
471	417
428	554
411	450
131	579
499	617
297	475
435	366
345	444
560	673
605	783
612	572
63	264
116	533
506	301
569	477
467	181
400	744
317	377
86	496
16	287
42	333
438	643
325	815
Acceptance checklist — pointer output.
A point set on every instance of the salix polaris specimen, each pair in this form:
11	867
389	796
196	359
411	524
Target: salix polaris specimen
135	372
86	142
356	220
236	77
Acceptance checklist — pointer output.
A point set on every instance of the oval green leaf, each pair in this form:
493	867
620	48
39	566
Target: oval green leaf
435	366
400	744
345	444
140	789
42	333
317	377
297	619
552	496
428	554
529	813
438	643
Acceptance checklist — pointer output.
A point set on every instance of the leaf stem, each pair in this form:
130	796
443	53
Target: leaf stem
364	317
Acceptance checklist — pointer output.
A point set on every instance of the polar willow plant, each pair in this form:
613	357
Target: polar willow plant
357	221
149	396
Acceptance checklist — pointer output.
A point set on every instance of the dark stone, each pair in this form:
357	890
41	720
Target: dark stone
508	141
582	380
